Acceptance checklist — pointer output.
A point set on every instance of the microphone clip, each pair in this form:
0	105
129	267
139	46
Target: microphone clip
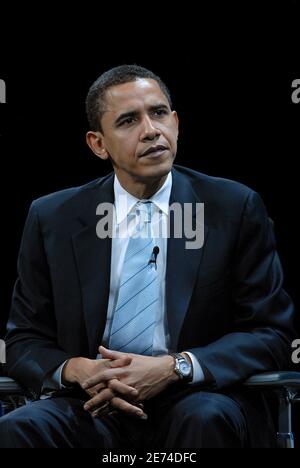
153	257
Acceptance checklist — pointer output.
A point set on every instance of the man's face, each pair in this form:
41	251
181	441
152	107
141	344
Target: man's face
138	119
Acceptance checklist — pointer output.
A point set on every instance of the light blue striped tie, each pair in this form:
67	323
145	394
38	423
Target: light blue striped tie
133	323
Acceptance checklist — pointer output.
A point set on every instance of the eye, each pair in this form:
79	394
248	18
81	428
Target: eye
127	121
160	112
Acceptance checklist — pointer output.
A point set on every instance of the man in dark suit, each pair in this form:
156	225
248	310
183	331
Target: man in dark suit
142	339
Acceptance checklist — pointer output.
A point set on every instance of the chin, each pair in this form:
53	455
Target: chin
157	171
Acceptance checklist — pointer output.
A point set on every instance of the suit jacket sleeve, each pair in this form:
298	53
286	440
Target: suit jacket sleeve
262	331
32	350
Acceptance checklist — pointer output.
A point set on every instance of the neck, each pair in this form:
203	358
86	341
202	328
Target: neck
142	189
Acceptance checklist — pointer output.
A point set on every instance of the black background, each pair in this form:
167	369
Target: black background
230	73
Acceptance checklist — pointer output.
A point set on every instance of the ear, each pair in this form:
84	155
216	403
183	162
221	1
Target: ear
176	119
95	141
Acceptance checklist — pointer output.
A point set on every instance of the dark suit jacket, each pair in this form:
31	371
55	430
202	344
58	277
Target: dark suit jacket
225	301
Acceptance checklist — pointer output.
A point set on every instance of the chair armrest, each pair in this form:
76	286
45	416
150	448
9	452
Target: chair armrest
286	385
275	380
10	386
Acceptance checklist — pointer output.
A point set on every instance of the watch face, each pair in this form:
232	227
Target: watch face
185	368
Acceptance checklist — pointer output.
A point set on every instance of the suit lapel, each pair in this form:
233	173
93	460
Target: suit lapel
182	263
93	258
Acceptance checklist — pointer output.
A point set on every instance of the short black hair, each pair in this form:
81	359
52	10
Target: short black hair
95	100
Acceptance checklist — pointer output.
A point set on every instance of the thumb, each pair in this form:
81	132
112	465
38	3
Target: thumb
124	361
110	354
117	359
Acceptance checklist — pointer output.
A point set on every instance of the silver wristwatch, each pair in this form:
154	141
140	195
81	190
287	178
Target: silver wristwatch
183	367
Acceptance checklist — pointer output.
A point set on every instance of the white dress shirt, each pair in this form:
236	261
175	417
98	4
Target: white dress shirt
125	203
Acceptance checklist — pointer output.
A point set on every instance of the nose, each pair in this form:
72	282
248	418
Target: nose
149	132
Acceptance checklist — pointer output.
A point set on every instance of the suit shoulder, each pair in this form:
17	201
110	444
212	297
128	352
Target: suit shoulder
212	187
65	198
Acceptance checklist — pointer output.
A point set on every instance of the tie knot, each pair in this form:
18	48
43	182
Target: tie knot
144	209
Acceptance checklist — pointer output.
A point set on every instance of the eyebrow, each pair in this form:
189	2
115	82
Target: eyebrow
135	113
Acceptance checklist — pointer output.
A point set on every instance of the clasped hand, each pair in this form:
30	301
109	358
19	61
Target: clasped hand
125	380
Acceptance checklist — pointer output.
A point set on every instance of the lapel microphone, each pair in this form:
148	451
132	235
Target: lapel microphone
154	254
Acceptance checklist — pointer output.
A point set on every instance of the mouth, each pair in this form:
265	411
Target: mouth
154	151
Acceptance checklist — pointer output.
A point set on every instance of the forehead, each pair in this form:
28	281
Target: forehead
133	95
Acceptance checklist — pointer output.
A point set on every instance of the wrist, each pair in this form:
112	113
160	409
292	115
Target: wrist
70	372
174	376
171	375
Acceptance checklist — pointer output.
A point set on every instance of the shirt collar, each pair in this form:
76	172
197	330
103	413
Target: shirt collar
124	201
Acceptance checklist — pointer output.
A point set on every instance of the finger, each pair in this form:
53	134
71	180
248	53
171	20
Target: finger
96	389
103	377
103	410
107	408
99	386
119	387
129	393
129	409
98	400
96	413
